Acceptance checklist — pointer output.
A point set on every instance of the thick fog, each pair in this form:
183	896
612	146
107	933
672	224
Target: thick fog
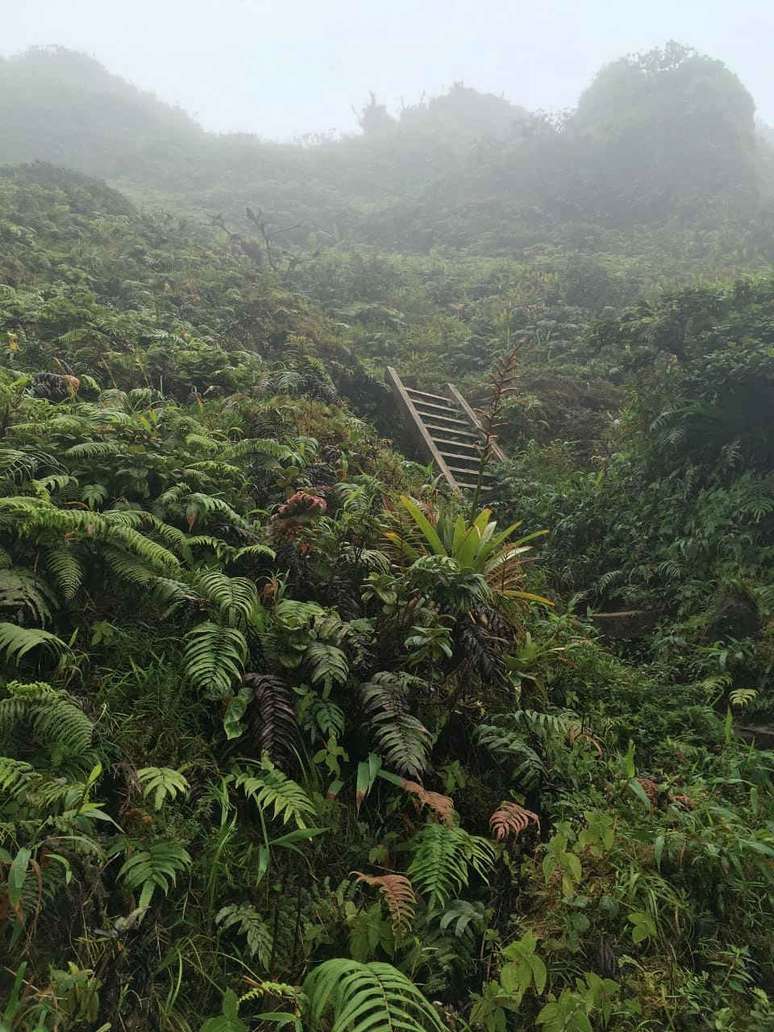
283	68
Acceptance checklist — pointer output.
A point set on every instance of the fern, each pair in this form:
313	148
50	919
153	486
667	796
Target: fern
200	507
154	868
400	737
347	996
15	775
18	642
742	696
234	597
163	783
214	657
322	718
65	569
507	745
23	592
442	859
265	448
94	450
246	920
94	495
270	789
253	552
510	819
328	664
129	568
53	483
398	894
441	805
57	722
273	718
18	466
209	444
40	520
139	519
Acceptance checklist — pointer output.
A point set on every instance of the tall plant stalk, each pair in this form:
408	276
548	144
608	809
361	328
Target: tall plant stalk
502	384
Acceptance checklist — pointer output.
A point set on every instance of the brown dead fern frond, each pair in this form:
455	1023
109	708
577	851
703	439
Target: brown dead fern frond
441	805
399	895
511	819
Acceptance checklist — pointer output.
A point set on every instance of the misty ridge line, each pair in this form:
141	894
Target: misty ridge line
668	133
374	113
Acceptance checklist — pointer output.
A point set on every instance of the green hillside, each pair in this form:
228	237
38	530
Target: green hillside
290	737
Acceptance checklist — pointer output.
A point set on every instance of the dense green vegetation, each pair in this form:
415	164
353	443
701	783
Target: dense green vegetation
289	737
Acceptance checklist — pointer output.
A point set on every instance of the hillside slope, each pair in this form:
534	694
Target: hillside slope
665	138
290	739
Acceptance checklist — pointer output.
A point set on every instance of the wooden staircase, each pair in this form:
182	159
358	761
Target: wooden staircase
447	431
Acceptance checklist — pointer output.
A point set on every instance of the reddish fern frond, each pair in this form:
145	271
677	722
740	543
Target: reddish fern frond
272	718
398	894
441	805
502	385
511	819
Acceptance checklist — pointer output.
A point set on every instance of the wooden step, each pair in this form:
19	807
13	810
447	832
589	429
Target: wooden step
453	430
448	407
458	469
425	394
456	455
445	419
459	444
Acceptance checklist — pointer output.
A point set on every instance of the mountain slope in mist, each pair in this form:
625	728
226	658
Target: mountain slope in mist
669	134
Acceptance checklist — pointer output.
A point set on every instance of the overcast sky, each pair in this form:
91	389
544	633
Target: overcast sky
283	68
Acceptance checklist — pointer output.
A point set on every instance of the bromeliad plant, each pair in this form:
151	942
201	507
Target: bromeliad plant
475	547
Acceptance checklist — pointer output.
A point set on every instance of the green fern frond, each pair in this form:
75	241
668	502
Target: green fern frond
53	483
163	783
264	447
508	745
15	775
137	519
442	858
26	595
129	568
328	664
154	868
17	466
254	551
246	920
199	507
17	642
40	520
143	547
322	718
94	450
269	788
400	738
235	597
202	441
173	593
55	719
347	996
65	569
214	658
